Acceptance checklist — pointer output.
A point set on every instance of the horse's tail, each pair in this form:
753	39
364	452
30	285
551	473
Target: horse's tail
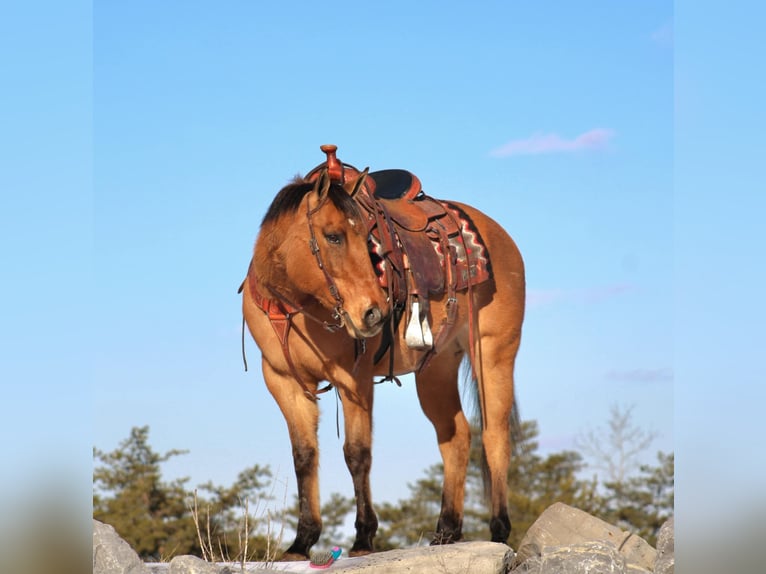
514	422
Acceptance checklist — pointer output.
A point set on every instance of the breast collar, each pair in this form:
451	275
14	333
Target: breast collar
280	313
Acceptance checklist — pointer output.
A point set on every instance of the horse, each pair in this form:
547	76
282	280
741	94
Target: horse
316	301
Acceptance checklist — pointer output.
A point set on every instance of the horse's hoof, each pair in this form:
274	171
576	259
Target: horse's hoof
292	557
359	552
442	539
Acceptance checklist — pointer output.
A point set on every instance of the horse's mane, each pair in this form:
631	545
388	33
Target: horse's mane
289	199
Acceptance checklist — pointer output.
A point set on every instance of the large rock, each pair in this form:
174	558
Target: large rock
562	526
590	558
665	549
194	565
473	557
112	555
563	540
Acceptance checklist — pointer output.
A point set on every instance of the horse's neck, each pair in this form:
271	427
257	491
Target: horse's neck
268	269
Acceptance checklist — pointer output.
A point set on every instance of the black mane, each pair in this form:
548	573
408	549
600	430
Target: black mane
289	199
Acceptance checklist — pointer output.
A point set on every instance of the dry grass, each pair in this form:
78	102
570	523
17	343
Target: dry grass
216	548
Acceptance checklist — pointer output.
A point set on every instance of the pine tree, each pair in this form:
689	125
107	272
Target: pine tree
633	496
413	520
334	513
162	519
129	494
236	521
534	482
644	502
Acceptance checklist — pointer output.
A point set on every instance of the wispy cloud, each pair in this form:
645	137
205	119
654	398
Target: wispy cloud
661	374
540	297
540	143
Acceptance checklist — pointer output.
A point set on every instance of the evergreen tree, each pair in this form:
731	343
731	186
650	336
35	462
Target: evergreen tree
643	503
334	514
534	483
637	501
162	519
236	521
129	494
413	520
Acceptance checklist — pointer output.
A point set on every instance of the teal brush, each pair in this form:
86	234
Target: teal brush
324	558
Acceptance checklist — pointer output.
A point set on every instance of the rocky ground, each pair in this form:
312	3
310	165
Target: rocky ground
564	540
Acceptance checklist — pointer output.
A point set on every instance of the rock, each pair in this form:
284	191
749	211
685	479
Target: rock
563	540
458	558
590	558
585	558
194	565
112	555
665	548
562	525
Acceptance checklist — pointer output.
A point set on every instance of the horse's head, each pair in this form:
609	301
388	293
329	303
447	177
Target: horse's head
313	246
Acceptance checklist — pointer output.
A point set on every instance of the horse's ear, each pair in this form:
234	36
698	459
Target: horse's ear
353	187
322	184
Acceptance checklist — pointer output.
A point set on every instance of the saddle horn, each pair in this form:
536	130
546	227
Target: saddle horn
334	167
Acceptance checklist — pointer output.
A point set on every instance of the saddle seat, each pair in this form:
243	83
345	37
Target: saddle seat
395	184
422	231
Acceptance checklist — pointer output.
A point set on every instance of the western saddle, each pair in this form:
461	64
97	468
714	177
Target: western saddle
420	246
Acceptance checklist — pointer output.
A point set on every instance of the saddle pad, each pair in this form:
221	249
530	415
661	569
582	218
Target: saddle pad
468	253
474	262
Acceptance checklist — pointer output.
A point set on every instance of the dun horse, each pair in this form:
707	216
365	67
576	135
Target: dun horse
358	275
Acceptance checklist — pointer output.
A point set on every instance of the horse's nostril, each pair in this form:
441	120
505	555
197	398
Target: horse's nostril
373	317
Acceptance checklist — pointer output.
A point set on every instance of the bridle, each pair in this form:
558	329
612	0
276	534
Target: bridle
338	312
281	310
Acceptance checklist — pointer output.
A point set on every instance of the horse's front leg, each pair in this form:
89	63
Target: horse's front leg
357	448
302	417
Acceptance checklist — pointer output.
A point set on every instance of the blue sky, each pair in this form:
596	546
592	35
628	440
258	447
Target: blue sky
167	128
561	131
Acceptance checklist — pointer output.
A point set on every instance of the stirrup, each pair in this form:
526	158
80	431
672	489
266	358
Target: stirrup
418	333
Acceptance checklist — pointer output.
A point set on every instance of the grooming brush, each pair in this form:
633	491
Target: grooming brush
324	558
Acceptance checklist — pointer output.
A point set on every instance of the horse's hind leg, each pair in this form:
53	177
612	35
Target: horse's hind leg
496	396
302	417
439	397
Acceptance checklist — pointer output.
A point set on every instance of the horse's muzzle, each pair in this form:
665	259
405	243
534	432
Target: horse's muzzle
370	325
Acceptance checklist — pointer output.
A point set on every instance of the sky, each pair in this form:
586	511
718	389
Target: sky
167	128
561	131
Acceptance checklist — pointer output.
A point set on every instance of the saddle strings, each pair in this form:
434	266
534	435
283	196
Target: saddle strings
244	357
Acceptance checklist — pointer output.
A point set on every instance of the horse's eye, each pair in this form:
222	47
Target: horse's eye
333	238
